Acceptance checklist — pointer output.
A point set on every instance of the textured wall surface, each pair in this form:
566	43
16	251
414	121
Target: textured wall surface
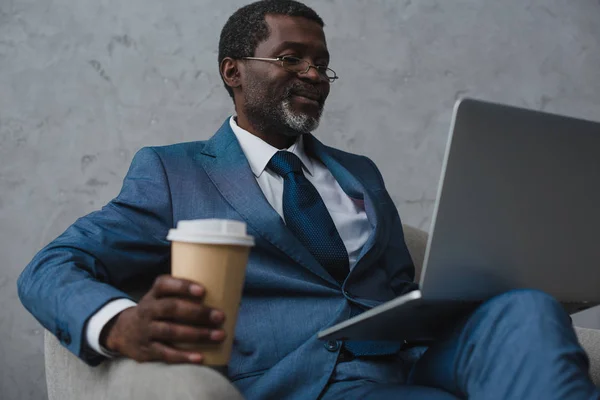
84	84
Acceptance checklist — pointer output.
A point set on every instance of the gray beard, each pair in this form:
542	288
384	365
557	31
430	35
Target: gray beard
299	122
275	117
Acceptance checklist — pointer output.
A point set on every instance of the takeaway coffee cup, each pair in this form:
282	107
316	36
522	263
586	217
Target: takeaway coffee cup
214	253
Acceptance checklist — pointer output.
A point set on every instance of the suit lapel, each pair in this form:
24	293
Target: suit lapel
351	183
226	165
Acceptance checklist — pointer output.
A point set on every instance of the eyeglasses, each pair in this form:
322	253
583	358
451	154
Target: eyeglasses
300	66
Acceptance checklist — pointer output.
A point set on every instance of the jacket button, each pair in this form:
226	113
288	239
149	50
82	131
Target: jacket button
59	333
332	345
67	339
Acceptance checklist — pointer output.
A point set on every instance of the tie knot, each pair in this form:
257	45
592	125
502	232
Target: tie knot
284	162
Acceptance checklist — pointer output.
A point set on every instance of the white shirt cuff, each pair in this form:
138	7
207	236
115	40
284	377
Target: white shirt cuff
100	319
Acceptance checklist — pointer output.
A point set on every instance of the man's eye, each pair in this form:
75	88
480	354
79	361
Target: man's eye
291	60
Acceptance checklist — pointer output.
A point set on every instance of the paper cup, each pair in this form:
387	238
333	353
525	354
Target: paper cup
214	253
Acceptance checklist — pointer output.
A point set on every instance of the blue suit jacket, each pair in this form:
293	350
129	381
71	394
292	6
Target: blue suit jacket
288	297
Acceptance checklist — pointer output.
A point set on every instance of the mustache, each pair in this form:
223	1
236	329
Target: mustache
309	91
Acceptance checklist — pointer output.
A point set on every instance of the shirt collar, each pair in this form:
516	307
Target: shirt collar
259	153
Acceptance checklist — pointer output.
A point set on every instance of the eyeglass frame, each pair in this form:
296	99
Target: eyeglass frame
308	66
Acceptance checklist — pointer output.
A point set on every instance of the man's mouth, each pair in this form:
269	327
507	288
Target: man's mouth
308	97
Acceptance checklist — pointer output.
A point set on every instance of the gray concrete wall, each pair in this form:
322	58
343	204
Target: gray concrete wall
84	84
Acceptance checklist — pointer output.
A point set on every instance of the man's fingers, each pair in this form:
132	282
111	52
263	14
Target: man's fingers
167	285
164	331
186	312
171	355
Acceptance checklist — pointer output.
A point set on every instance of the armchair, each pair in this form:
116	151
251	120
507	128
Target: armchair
67	377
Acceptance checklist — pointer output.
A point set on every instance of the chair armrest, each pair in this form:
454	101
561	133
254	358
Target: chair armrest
416	241
67	377
590	341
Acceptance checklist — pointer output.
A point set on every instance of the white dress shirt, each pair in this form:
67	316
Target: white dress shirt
347	214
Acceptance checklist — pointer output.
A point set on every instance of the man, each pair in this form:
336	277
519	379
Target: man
329	244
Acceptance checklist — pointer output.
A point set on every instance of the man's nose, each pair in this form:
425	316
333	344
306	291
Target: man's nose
313	75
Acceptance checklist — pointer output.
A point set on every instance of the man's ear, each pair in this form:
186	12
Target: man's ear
230	72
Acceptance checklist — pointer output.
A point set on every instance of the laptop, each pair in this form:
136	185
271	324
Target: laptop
518	206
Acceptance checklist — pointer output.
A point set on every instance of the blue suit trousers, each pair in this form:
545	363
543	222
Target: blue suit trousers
519	345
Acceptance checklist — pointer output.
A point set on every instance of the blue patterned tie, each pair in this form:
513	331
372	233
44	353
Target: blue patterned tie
307	217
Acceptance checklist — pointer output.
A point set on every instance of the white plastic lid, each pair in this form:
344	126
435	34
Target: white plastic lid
211	231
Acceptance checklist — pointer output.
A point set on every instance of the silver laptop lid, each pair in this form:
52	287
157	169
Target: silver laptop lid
518	206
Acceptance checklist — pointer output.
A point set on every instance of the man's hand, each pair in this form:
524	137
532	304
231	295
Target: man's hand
172	311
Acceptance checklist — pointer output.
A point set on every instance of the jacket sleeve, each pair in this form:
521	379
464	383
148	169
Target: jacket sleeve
83	269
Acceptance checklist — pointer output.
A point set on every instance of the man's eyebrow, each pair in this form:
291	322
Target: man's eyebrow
300	46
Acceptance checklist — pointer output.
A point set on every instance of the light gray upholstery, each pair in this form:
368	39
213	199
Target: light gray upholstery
69	378
416	240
